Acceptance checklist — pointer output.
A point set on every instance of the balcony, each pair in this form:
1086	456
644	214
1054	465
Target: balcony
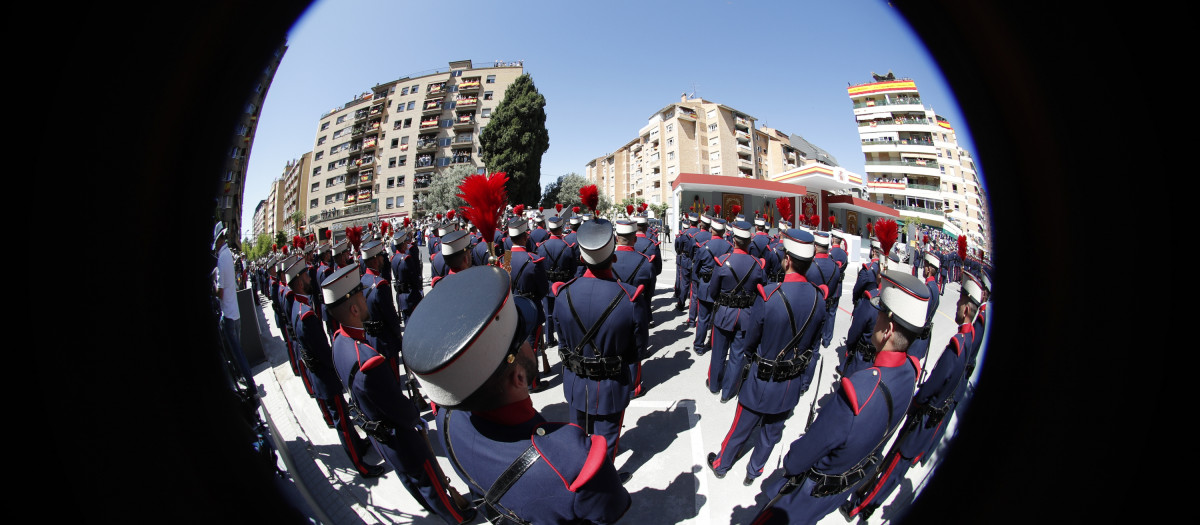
424	163
358	131
466	102
742	148
370	143
918	211
436	89
360	115
745	164
376	110
464	123
885	102
374	126
460	159
427	145
421	182
429	124
897	121
741	122
470	84
742	136
463	139
919	163
432	106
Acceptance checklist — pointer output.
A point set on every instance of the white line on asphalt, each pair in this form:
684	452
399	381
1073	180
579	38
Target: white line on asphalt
698	459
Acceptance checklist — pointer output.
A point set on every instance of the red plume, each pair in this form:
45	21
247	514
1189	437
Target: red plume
716	210
370	226
449	214
814	220
558	207
887	231
832	220
285	249
628	209
275	248
870	229
328	234
785	208
590	195
707	208
541	209
735	209
296	240
354	234
438	216
643	206
962	247
406	222
518	210
925	239
575	210
486	196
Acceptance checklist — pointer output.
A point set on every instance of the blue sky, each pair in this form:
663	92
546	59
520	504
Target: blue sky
604	67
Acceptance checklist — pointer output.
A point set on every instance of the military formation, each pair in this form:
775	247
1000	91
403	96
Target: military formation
377	347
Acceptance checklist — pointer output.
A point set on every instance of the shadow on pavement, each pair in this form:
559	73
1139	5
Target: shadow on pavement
676	503
745	514
556	412
657	371
651	434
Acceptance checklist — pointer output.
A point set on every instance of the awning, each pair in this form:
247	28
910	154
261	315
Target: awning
873	116
766	188
850	203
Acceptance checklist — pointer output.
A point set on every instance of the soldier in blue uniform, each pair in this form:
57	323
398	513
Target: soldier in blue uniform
647	244
935	400
406	270
703	235
760	246
455	254
383	328
736	278
980	320
838	253
538	234
635	269
437	258
602	335
683	262
340	252
378	404
845	442
920	347
317	355
560	267
868	273
782	332
704	263
860	353
528	278
471	345
571	237
824	272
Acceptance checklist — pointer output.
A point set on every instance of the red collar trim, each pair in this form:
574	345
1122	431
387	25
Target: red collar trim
966	328
517	249
890	359
372	272
553	236
794	278
352	332
932	278
624	248
604	274
739	250
303	299
511	414
821	256
640	234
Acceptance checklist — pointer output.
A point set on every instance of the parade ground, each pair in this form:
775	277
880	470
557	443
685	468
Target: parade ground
665	439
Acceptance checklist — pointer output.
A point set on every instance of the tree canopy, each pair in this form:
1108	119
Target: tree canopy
516	138
443	191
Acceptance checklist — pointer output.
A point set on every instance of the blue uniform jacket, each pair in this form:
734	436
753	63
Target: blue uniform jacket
537	236
732	267
315	347
437	266
572	482
407	269
649	247
867	276
861	326
381	309
624	334
768	328
947	380
559	256
920	347
704	260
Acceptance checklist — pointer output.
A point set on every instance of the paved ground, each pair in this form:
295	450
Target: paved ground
667	434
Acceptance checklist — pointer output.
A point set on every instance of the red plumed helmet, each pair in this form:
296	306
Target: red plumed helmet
590	195
887	231
438	216
541	209
275	247
406	222
643	206
832	220
575	210
925	239
628	209
784	205
558	207
328	234
485	196
449	214
518	209
735	209
962	247
717	210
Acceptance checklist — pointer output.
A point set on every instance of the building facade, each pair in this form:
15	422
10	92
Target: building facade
914	163
295	183
233	179
374	157
260	219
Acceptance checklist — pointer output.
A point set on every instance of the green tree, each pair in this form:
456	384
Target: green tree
516	138
280	239
550	194
443	191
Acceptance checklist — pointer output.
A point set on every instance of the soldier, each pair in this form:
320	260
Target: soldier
406	269
378	404
602	336
647	244
837	252
936	399
683	262
735	280
560	267
284	298
980	320
860	353
471	344
538	235
383	327
704	262
702	235
782	332
920	347
824	272
868	274
341	258
437	266
760	246
454	254
528	278
317	356
634	268
571	236
845	441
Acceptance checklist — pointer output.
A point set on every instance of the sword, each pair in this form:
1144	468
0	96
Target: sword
812	410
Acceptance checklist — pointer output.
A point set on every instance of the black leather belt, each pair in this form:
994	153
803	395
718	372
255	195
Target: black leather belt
781	370
592	367
741	299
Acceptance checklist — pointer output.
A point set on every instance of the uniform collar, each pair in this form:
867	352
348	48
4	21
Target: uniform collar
821	256
932	278
352	332
794	278
372	272
739	250
516	248
604	274
641	234
966	328
890	359
624	248
302	299
764	234
511	414
553	236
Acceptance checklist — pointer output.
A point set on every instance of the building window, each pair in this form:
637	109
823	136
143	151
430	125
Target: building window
389	203
403	140
712	114
407	122
341	119
398	125
395	143
491	79
319	155
392	162
317	170
391	182
312	203
324	126
315	186
403	91
670	155
400	200
671	141
487	113
670	128
457	73
712	127
411	105
487	95
402	160
400	106
416	88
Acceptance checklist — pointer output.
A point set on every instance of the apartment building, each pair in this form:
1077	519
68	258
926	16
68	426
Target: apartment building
295	180
374	157
232	183
914	163
274	212
260	219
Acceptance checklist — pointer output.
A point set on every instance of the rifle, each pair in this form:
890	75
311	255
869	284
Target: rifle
459	500
812	409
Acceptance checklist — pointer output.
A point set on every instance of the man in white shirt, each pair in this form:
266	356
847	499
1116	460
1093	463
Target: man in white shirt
231	320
